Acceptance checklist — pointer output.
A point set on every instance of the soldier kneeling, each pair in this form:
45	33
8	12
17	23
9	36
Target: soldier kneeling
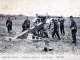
26	24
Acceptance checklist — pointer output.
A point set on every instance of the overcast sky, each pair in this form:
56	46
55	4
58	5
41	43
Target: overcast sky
31	7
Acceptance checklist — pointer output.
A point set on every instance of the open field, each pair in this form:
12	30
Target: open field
22	46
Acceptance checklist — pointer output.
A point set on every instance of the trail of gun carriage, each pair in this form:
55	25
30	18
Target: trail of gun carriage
38	37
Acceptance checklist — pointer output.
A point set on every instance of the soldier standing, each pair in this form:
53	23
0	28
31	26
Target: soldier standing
73	29
62	26
56	29
9	24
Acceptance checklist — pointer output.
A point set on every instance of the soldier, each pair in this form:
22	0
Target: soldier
62	26
26	24
56	29
9	24
73	29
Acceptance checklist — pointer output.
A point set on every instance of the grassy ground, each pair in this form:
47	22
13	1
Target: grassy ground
22	46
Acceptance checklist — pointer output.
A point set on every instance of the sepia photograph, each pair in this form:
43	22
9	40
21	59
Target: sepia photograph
40	27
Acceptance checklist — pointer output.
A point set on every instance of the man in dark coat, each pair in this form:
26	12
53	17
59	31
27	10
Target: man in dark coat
73	29
56	28
9	24
26	24
62	26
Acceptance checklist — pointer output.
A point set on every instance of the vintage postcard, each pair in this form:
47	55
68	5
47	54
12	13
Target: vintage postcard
40	29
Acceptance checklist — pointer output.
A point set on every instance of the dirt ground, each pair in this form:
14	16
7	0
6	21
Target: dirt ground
22	46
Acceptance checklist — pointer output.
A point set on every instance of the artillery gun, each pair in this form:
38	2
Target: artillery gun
38	26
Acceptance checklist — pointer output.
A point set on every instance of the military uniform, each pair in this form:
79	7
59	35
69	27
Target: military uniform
62	26
26	25
56	29
9	25
73	31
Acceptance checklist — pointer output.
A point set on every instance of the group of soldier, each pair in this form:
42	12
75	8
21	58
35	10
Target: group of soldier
53	23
